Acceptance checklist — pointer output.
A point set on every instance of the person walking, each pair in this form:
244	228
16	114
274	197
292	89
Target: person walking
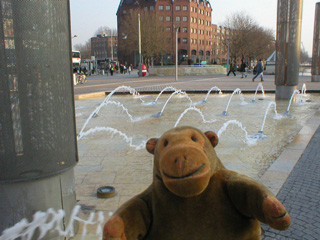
129	69
243	69
259	70
233	68
111	70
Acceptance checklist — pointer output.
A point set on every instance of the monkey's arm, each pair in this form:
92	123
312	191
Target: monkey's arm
130	222
254	200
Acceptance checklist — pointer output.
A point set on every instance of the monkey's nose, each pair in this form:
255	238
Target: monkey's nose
179	161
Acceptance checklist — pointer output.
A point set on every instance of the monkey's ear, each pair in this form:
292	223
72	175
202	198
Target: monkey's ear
151	144
213	137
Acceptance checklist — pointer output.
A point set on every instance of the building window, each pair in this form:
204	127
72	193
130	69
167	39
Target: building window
161	7
124	12
168	40
168	18
161	18
168	29
178	19
178	8
168	7
185	19
145	8
184	29
184	8
151	8
185	40
178	40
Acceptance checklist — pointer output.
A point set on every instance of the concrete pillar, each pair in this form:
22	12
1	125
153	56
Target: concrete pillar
38	147
288	47
316	47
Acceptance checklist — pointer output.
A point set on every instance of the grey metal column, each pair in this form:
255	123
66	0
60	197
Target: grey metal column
288	47
316	47
38	147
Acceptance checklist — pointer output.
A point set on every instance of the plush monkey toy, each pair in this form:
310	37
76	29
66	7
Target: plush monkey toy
194	197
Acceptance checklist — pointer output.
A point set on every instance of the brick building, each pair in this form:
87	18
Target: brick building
104	47
193	19
219	44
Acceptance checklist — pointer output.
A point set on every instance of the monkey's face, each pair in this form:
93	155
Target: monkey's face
182	161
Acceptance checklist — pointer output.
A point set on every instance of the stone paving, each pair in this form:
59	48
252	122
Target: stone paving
301	196
300	193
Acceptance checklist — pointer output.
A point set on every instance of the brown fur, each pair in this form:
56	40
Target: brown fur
194	197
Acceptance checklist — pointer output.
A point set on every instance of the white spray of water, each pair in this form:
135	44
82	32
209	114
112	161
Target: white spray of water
277	116
211	89
51	221
165	89
236	91
294	93
262	90
196	110
249	141
174	93
114	131
107	99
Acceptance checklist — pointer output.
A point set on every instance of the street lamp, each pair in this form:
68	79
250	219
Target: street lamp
228	40
176	27
140	56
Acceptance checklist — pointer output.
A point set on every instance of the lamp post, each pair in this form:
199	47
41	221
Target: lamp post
176	27
111	44
228	56
140	56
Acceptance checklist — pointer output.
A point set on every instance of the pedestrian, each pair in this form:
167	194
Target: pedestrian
233	68
259	71
243	69
111	70
129	69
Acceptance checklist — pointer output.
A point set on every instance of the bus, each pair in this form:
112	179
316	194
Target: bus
76	59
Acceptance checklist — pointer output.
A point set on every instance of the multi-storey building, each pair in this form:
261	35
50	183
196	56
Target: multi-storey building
219	48
104	47
192	18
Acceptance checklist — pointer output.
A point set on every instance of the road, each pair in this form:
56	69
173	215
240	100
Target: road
104	83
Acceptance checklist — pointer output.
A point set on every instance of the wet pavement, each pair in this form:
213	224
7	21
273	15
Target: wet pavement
294	177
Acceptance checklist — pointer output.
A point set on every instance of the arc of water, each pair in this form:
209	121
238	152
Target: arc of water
196	110
129	140
239	124
163	90
174	93
211	89
50	221
97	110
118	104
289	105
262	90
238	91
266	113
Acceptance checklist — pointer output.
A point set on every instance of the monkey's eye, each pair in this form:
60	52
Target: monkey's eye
165	143
194	139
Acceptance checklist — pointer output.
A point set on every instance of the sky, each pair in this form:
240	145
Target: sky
88	15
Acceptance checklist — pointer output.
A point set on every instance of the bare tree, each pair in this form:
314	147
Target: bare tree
85	49
105	30
247	40
152	39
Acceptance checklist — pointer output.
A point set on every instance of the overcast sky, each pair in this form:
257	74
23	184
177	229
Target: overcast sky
88	15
